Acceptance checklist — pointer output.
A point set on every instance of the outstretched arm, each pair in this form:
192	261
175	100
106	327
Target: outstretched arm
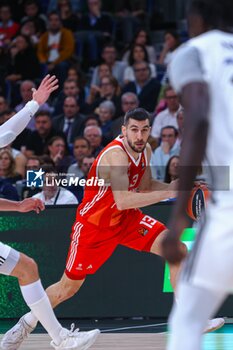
14	126
24	206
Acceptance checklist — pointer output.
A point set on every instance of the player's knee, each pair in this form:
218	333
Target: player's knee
27	269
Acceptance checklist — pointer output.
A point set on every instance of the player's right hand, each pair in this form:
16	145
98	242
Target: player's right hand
47	86
30	204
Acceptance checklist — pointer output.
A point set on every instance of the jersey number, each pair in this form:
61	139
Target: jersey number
148	221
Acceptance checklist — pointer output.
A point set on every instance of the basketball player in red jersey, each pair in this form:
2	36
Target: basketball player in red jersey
108	215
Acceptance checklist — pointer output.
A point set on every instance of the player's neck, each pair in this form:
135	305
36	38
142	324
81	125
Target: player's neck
134	154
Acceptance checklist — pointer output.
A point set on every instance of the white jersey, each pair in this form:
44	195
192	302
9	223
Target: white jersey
213	53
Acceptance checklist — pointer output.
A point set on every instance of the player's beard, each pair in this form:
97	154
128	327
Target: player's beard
134	146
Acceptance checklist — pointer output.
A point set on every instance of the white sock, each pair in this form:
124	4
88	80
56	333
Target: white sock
38	301
31	319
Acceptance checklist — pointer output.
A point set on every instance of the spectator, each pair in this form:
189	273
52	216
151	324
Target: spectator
67	15
57	151
94	28
91	120
70	89
20	160
8	191
52	194
24	63
32	13
171	42
168	148
106	114
33	163
71	121
169	115
30	30
76	5
138	53
171	171
8	28
109	56
94	135
129	101
26	95
8	167
103	70
130	16
142	38
109	90
74	73
146	88
37	143
4	66
81	149
85	164
56	47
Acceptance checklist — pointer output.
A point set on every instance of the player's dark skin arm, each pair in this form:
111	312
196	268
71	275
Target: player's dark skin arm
195	100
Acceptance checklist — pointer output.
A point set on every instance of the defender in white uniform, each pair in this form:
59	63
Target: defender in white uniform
14	263
202	73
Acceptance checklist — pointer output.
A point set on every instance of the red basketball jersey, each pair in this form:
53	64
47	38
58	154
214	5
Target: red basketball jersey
98	206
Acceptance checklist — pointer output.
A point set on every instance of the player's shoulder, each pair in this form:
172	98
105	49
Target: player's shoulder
114	155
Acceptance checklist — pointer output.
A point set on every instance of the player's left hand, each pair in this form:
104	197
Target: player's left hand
30	204
172	249
47	86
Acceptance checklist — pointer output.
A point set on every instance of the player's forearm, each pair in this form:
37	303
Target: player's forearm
15	125
7	205
130	200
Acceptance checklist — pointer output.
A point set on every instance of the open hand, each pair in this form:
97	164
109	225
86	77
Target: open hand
47	86
30	204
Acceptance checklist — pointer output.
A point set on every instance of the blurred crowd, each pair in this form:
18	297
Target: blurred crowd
107	64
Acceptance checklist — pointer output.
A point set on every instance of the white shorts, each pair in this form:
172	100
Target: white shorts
9	258
210	263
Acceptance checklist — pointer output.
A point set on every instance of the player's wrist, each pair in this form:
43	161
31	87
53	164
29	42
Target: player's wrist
33	107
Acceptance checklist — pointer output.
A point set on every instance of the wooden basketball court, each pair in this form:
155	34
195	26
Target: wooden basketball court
133	341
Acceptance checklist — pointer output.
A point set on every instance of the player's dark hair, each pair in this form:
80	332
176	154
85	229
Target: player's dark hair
137	114
215	13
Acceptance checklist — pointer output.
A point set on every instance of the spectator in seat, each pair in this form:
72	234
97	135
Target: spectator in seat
85	164
52	194
146	88
168	148
56	47
172	169
94	29
138	53
94	135
106	113
81	148
142	38
24	62
34	164
36	144
167	116
68	17
109	91
71	122
8	27
109	56
171	42
32	13
58	152
129	101
8	167
70	89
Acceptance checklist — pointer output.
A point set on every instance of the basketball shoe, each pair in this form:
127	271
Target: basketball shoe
70	339
214	324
